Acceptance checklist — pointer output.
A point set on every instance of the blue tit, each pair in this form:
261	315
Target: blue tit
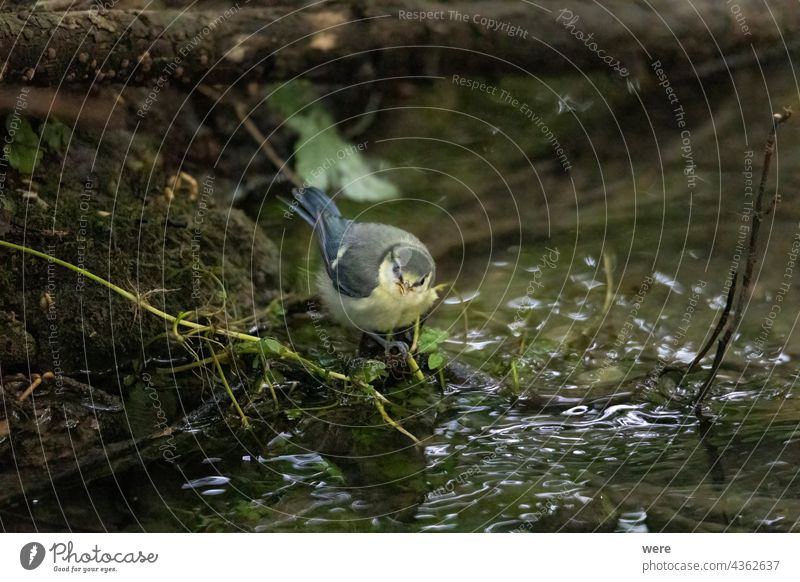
376	277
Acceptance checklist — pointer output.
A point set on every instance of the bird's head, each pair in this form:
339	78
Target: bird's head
408	270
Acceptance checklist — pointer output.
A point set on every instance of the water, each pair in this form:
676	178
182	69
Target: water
591	301
497	463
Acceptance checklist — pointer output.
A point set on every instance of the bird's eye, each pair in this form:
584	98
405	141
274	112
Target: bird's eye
421	281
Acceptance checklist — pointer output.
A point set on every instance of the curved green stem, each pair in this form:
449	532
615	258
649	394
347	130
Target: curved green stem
197	328
393	423
221	372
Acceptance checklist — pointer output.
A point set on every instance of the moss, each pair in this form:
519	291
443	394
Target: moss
16	345
115	221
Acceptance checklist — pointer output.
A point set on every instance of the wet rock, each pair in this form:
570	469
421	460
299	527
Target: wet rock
60	419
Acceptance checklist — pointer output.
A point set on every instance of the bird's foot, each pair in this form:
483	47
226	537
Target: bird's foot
396	349
395	352
391	347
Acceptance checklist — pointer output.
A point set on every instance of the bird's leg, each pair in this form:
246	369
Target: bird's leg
392	347
407	335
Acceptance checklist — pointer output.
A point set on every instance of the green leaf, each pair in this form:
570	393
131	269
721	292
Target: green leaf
293	413
23	159
271	346
21	130
55	134
23	151
370	371
435	360
275	311
430	338
292	96
322	157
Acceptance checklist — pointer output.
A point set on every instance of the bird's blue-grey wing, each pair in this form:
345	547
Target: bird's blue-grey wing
351	251
317	209
351	262
355	267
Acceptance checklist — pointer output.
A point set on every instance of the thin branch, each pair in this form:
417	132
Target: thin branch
254	131
37	379
712	374
752	256
720	325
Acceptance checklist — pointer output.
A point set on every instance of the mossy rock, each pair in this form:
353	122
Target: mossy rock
190	252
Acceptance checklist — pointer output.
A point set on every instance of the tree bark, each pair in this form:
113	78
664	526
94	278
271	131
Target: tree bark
351	39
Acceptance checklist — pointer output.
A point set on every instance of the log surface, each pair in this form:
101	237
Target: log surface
346	40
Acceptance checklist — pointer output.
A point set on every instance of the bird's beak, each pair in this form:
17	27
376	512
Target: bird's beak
401	286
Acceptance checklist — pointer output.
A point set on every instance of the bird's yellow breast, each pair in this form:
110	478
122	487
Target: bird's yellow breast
384	310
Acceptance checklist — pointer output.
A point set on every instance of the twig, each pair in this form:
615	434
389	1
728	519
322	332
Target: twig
712	374
747	277
718	329
266	147
279	163
37	380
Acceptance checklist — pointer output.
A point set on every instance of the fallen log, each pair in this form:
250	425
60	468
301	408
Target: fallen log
332	40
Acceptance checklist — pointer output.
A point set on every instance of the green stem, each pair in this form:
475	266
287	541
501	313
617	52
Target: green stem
314	408
378	398
265	365
317	369
415	340
221	372
128	295
195	364
393	423
412	363
515	376
609	282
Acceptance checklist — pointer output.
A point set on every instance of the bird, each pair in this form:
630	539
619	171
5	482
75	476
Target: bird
376	278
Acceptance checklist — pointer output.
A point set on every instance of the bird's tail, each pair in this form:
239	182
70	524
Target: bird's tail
312	203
